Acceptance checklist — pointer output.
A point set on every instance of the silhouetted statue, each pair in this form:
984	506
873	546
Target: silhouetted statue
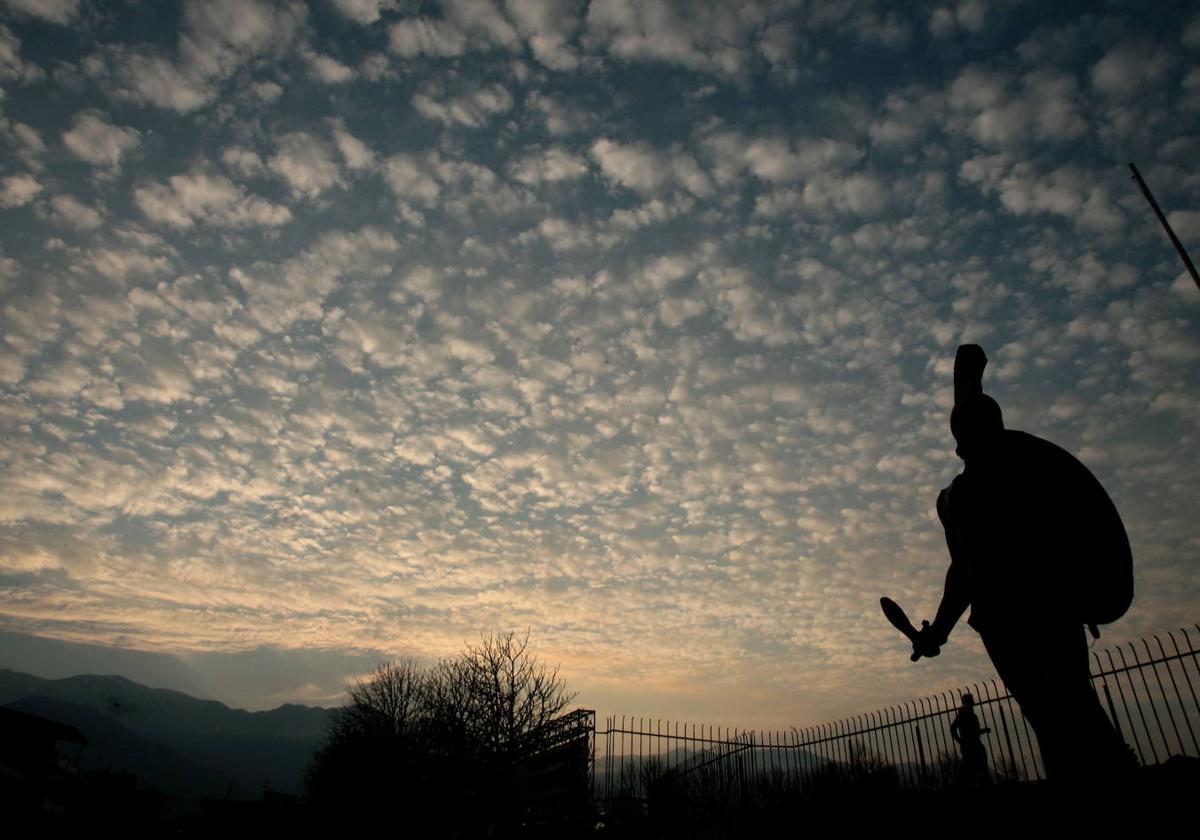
1037	551
966	732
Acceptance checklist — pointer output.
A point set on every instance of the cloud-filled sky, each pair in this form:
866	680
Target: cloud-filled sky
354	328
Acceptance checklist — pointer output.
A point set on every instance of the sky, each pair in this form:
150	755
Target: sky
343	330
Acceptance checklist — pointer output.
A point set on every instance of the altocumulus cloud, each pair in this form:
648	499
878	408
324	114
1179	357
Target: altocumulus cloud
354	326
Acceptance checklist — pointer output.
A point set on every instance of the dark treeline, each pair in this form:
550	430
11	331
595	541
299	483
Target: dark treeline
437	751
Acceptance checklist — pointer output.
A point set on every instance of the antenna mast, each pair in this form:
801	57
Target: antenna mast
1183	254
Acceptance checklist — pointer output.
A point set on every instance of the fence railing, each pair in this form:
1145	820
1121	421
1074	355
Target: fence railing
1149	688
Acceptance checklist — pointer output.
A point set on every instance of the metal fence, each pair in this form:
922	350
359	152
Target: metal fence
1149	689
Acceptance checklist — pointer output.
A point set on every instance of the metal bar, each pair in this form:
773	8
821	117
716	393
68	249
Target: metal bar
938	742
828	747
803	756
790	756
851	746
986	718
1154	661
947	703
873	732
824	764
1012	761
910	746
920	752
1163	692
833	748
862	738
812	760
988	715
754	758
641	765
1138	704
1137	742
607	759
1183	254
841	745
893	742
922	718
789	759
793	757
1141	671
1187	678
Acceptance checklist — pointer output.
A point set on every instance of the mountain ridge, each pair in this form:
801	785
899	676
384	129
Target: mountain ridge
268	748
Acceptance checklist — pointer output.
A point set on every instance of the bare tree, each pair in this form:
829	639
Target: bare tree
448	738
513	695
376	740
388	702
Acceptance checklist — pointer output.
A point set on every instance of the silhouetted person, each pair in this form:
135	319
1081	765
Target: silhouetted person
966	732
1037	551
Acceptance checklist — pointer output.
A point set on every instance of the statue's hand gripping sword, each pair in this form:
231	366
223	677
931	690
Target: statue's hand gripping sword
900	621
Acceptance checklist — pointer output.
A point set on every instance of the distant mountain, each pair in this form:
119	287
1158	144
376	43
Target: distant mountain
210	742
112	746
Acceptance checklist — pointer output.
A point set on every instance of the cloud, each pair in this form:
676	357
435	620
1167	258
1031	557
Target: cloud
1129	68
198	198
1191	33
365	12
243	161
68	211
29	146
860	194
966	15
266	91
279	295
306	164
777	158
1186	224
154	80
119	264
414	37
218	37
560	119
327	69
377	66
18	190
94	139
644	169
410	179
482	21
55	11
549	166
12	66
355	153
359	373
549	27
474	109
1001	112
712	37
1066	191
704	36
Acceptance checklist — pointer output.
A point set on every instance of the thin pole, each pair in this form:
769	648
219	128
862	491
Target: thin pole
1183	254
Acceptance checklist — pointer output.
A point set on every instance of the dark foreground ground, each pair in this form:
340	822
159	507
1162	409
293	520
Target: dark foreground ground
1163	799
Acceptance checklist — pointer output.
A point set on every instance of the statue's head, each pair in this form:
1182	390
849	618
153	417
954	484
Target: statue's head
976	423
968	700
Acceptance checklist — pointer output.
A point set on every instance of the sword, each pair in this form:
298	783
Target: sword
900	621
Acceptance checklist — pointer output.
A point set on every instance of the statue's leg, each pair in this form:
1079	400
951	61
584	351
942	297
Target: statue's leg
1046	669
